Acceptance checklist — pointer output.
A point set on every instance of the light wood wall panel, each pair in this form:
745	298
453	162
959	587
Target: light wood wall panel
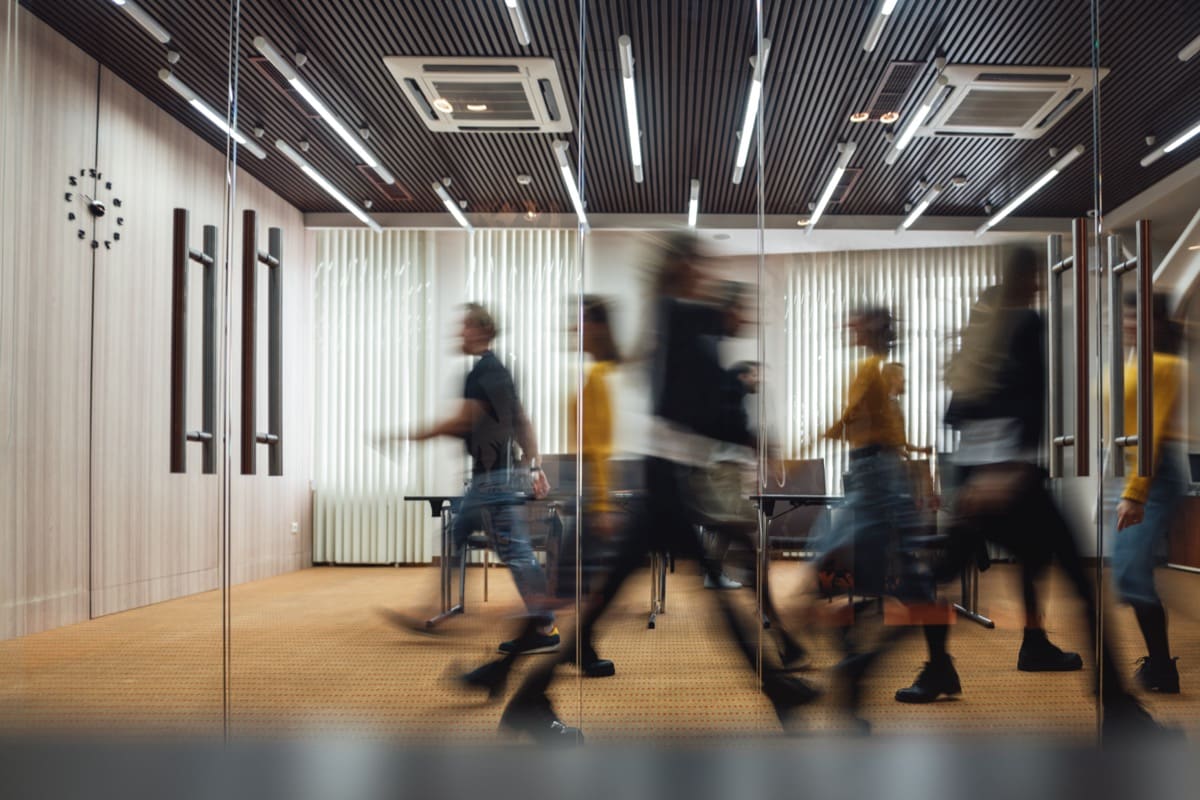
157	535
47	130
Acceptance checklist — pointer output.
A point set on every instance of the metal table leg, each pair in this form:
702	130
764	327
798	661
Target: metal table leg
970	596
448	610
658	584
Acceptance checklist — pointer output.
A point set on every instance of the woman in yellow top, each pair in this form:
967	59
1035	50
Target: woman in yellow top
1147	504
599	513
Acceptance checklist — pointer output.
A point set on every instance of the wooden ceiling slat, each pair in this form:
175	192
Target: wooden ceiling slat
692	78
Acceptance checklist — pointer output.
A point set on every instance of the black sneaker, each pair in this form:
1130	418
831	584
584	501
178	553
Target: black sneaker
937	678
593	665
536	717
492	676
531	645
1158	676
1039	654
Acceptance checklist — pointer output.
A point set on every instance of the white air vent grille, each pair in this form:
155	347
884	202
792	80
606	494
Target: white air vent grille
484	94
1006	102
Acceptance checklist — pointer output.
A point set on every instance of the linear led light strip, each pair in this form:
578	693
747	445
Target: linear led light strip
1172	145
141	17
886	7
920	208
328	187
839	169
451	206
568	176
694	203
1189	52
918	119
516	15
285	69
748	121
1033	189
212	116
625	47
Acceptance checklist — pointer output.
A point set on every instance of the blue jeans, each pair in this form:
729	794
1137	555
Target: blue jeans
495	493
875	515
1136	549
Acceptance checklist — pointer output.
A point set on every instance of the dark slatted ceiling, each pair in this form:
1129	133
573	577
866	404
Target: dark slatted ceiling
693	75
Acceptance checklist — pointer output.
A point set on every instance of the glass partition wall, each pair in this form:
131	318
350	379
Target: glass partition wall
114	269
651	371
411	562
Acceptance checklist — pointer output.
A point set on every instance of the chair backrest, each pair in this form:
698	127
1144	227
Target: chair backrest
801	476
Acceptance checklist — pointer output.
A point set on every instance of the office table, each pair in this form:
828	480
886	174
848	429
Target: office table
443	506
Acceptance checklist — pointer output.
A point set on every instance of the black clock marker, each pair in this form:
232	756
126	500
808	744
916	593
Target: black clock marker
72	181
71	216
116	237
82	234
68	197
108	185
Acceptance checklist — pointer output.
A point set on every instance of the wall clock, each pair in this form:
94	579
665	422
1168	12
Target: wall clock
92	204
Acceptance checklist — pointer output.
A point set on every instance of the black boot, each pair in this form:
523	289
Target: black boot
491	676
937	678
1039	654
1158	675
1125	721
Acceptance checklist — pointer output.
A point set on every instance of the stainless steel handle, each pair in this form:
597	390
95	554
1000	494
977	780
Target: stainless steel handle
1143	349
250	435
181	254
1057	265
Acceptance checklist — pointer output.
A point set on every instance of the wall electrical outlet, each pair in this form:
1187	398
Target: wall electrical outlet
295	527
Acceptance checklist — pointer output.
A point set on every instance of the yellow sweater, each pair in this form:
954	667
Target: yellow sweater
597	437
1168	376
870	418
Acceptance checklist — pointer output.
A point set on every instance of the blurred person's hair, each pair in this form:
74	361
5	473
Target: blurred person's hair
595	313
475	315
876	327
1167	331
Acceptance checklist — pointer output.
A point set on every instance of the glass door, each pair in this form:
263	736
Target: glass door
1144	251
117	140
404	368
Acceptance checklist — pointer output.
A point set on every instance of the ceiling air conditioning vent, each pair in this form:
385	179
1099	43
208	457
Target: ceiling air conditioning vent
487	95
1006	102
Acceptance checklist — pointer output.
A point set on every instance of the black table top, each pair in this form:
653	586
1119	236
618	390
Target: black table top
768	500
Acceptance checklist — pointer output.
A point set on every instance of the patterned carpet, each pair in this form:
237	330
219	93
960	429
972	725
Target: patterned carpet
311	654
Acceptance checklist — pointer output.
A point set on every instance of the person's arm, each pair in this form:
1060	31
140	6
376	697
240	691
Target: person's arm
1131	509
457	424
527	440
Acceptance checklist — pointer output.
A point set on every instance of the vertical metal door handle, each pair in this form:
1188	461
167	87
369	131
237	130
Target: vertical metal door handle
250	435
1145	351
181	254
1057	265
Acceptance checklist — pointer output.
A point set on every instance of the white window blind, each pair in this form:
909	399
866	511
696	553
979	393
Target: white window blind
372	366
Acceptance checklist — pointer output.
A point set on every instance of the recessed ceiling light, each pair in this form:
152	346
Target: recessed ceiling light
443	105
524	180
803	221
888	117
859	116
1194	247
958	180
531	215
476	106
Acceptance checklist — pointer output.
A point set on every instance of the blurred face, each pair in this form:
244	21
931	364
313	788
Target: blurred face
474	339
750	380
895	381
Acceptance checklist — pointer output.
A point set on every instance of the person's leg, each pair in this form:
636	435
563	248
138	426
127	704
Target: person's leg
1038	653
1134	560
718	548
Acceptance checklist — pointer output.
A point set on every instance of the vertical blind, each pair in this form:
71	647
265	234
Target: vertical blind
372	363
528	280
930	291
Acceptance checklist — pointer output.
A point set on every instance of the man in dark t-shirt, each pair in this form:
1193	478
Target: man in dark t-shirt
504	469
